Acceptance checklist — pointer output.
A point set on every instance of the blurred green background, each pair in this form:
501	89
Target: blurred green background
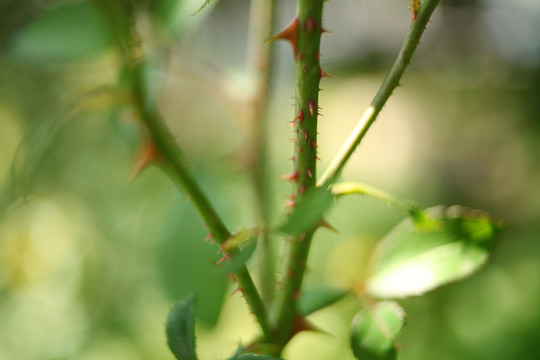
91	260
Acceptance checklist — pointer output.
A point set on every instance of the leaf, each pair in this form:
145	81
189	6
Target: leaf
319	297
69	32
443	245
253	357
308	212
374	331
180	328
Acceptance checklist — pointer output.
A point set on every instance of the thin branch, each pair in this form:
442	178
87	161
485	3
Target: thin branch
416	29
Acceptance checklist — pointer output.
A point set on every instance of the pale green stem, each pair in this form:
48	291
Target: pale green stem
416	29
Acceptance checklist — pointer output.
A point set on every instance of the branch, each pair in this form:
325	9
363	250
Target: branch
416	29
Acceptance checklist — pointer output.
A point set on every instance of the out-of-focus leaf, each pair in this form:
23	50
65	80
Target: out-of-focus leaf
444	245
374	331
69	32
180	328
253	357
319	297
308	212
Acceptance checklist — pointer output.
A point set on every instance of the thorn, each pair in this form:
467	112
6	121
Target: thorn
223	258
306	136
309	173
238	289
300	149
317	55
146	155
314	144
310	107
290	177
317	157
324	74
289	203
290	34
323	30
325	224
302	189
310	25
209	237
300	116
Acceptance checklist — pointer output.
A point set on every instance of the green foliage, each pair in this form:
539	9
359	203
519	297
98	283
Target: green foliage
448	244
374	331
68	32
253	357
180	329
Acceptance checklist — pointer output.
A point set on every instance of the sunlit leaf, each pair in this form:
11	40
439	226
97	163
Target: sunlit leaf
180	329
374	331
444	245
308	212
69	32
313	299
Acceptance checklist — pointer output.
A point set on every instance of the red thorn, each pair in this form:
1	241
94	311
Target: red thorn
306	136
317	55
326	225
290	203
300	149
300	56
210	237
300	116
317	157
290	34
146	155
323	30
302	189
238	289
309	173
293	158
223	258
310	107
314	144
323	74
291	177
310	25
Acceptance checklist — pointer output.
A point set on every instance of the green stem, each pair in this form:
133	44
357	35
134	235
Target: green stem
348	188
172	156
261	28
416	29
307	29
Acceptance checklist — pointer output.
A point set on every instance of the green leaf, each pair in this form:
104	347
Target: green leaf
69	32
443	245
308	212
313	299
180	328
374	331
253	357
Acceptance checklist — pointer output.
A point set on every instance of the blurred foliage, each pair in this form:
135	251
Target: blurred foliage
91	262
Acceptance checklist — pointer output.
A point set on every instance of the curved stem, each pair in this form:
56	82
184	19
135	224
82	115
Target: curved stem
416	29
143	99
349	188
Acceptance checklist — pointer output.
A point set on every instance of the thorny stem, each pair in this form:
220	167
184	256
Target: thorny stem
304	35
416	29
171	155
261	25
